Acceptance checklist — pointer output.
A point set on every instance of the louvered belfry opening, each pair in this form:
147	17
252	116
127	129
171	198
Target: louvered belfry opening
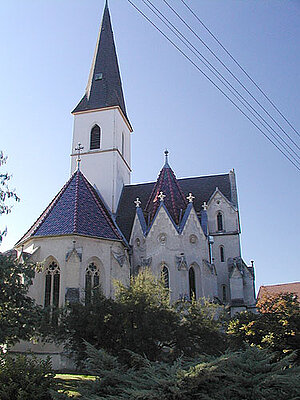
95	137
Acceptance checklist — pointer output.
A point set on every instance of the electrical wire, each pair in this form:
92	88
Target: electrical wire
220	77
241	68
212	82
229	71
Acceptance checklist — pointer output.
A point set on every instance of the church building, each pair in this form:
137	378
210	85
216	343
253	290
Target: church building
100	227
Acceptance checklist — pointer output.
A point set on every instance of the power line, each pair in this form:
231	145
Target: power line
229	71
182	38
199	69
242	69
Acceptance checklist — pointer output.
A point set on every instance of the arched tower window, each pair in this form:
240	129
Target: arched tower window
220	225
123	144
192	283
95	137
52	283
92	281
222	256
165	276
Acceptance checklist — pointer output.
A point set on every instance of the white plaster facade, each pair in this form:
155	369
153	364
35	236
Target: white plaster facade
109	167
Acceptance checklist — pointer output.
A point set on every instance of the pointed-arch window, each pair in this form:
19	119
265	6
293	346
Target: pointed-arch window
192	283
92	281
95	137
165	276
220	224
224	294
222	255
52	284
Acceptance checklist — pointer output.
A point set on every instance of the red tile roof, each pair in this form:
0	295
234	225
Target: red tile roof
293	287
174	198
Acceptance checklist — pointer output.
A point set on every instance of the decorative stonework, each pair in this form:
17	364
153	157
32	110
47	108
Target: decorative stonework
146	262
119	257
180	262
162	238
193	239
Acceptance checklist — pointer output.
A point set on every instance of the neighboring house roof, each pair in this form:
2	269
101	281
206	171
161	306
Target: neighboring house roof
104	88
76	209
174	200
271	290
202	187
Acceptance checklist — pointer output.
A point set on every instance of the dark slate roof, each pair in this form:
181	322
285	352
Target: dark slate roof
202	188
174	201
76	209
104	88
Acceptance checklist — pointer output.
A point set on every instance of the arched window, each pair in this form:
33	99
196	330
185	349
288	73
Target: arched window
95	137
92	281
123	144
52	283
220	225
224	294
165	276
222	256
192	283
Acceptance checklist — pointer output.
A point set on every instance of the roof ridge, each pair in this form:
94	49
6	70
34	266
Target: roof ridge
39	221
101	206
75	222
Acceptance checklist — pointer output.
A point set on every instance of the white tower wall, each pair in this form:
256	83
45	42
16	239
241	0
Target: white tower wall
108	168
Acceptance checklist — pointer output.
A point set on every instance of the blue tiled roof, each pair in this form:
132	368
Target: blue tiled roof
77	209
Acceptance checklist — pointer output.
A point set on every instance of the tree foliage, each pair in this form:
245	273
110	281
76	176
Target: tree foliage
141	319
19	315
5	192
276	326
251	374
25	378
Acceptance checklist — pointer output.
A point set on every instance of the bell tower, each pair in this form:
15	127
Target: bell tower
101	124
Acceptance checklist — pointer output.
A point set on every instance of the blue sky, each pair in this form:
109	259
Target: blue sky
46	53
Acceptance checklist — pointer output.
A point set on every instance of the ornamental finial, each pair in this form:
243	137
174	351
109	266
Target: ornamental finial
204	206
137	202
161	196
190	198
78	149
166	156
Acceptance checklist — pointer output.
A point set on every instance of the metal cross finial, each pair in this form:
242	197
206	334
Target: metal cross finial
204	206
190	198
137	202
78	149
161	196
166	156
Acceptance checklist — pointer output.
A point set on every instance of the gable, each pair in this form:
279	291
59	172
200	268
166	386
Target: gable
202	188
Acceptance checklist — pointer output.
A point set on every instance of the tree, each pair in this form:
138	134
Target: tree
149	321
19	315
5	192
201	328
275	327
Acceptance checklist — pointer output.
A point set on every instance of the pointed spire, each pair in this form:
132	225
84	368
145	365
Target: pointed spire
173	197
104	88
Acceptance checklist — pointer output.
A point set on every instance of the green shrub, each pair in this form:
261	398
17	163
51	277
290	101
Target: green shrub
25	378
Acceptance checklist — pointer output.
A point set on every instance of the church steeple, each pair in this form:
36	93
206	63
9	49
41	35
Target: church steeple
104	88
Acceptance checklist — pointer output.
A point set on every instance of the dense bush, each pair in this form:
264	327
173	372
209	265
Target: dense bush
25	378
252	374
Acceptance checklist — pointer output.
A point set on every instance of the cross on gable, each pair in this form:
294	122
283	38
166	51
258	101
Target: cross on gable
204	206
190	198
137	202
78	149
161	196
